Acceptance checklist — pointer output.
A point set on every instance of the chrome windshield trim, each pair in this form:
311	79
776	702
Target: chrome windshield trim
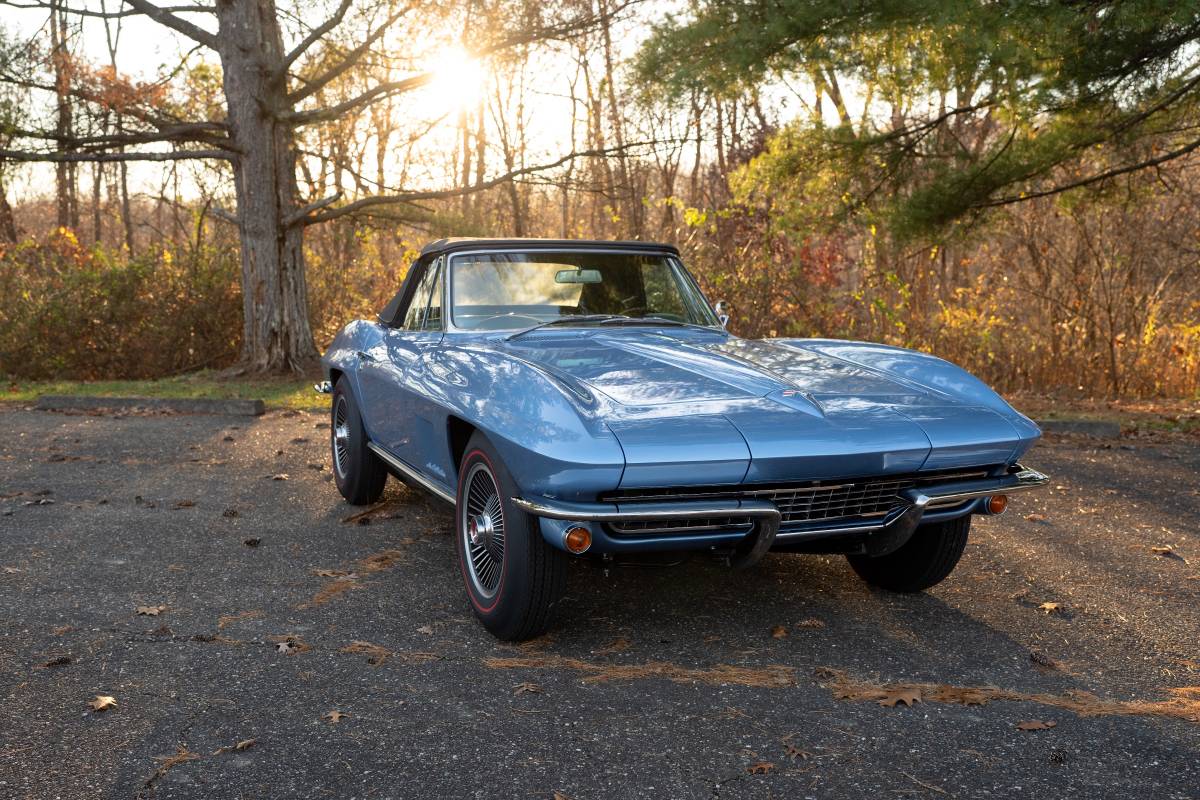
412	474
448	287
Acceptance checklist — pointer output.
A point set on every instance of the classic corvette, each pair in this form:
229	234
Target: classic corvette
577	398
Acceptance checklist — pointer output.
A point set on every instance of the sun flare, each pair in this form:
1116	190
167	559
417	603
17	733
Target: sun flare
458	79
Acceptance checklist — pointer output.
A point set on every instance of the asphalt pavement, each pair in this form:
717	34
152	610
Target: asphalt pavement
257	640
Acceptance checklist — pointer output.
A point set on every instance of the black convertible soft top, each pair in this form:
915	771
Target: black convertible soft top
468	243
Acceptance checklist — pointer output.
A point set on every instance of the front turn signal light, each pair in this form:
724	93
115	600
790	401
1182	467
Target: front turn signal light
997	503
577	539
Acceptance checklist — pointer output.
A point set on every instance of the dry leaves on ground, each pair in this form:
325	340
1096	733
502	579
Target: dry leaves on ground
57	661
1035	725
1182	703
906	695
527	688
244	744
335	716
376	654
1050	608
1035	517
289	644
761	768
103	702
229	619
775	676
779	632
150	611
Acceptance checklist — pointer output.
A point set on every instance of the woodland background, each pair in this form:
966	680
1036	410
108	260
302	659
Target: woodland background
1012	187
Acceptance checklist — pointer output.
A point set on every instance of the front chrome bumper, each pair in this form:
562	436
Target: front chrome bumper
936	499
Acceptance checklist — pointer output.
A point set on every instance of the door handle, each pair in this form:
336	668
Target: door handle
364	356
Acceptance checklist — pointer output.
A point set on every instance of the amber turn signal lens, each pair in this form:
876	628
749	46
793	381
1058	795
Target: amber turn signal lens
577	539
997	503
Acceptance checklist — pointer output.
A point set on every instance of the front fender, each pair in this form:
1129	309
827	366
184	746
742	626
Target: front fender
928	372
342	354
548	431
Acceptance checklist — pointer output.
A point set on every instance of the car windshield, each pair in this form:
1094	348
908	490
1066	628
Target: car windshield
502	291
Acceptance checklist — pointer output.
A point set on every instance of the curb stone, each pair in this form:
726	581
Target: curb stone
193	405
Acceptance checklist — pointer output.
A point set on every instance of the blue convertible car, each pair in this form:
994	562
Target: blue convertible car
575	397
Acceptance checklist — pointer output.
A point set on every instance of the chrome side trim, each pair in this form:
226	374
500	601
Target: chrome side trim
613	512
1022	480
411	473
324	387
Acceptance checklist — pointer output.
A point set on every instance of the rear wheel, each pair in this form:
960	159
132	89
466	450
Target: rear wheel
358	473
513	577
923	561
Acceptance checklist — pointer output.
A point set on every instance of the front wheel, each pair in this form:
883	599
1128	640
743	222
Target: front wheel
923	561
358	473
513	577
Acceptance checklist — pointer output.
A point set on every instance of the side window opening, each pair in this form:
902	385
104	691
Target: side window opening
414	317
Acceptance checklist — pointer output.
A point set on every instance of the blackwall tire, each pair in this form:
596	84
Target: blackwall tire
925	560
357	472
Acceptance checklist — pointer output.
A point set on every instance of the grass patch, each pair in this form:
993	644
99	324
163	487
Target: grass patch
275	392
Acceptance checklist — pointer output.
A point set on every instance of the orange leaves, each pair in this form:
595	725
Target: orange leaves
1035	725
115	92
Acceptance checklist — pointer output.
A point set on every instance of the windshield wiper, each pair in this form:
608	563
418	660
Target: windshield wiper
675	323
567	320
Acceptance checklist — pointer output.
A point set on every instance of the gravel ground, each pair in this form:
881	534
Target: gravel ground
269	611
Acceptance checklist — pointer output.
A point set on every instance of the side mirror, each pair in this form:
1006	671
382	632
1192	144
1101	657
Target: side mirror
722	309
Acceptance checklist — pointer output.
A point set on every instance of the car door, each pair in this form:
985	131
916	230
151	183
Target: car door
389	373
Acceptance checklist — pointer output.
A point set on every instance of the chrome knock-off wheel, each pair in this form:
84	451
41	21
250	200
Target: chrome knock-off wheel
482	529
341	437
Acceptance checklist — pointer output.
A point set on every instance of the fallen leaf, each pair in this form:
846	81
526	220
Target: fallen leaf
253	541
796	753
1035	517
287	648
11	570
299	440
244	744
57	661
1035	725
761	768
812	622
178	757
618	645
334	717
904	694
103	702
229	512
282	476
779	632
185	503
1049	608
150	611
426	629
527	688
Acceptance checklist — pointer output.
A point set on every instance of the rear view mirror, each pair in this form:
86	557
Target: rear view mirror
578	276
722	309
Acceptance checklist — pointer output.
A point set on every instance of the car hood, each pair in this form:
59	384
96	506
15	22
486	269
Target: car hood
698	408
642	368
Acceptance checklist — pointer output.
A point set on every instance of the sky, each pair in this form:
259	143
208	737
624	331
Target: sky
147	50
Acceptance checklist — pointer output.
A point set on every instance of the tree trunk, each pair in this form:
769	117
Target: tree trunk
276	336
8	226
64	171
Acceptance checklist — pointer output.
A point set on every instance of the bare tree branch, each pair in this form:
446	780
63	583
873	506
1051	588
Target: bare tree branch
164	17
174	155
314	35
439	194
179	134
304	211
381	90
351	58
129	12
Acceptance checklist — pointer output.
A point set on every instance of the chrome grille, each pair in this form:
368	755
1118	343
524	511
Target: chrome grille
849	500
